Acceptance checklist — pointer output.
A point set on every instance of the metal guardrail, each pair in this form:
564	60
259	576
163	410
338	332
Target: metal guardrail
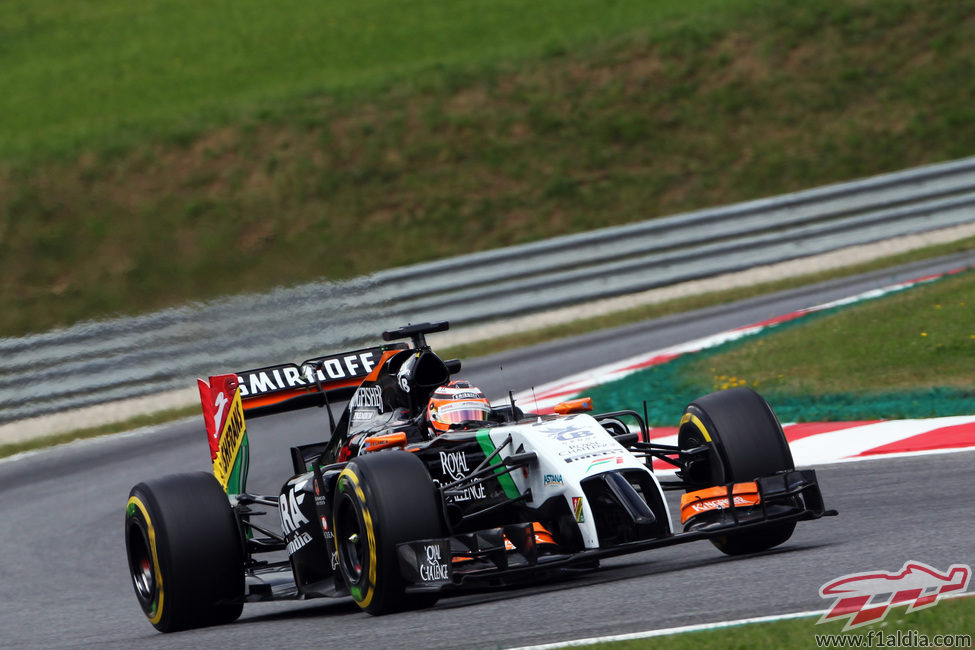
98	362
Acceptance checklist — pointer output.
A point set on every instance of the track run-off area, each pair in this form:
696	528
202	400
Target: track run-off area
811	442
65	582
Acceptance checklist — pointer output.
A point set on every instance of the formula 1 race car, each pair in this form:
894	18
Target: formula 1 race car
393	516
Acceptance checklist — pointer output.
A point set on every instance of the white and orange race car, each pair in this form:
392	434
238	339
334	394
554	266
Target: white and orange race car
395	517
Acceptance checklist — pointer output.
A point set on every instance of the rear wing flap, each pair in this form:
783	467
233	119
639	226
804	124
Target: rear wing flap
275	389
289	386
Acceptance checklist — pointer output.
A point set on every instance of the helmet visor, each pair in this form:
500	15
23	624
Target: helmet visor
463	412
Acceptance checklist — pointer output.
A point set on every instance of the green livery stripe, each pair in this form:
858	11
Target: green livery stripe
238	474
487	446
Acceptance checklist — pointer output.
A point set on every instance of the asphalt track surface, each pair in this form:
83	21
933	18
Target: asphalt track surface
64	581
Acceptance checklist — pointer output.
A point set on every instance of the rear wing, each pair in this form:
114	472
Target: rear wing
290	386
275	389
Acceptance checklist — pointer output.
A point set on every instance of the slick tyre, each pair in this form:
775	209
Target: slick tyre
185	552
745	441
381	500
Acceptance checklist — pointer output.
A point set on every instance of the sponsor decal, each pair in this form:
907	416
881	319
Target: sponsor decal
404	372
864	598
298	543
567	434
229	439
582	450
600	463
368	397
432	567
454	465
721	502
716	498
577	442
320	499
346	366
270	380
219	403
550	480
335	560
289	376
366	403
577	510
291	516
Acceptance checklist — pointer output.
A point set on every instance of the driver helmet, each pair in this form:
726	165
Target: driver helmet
458	401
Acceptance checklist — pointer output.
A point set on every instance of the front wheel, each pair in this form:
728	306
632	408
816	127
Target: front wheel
745	441
381	500
185	552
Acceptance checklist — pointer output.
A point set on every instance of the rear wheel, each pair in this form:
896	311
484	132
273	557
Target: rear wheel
381	500
185	552
745	441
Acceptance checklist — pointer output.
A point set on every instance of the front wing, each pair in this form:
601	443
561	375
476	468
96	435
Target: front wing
432	565
484	558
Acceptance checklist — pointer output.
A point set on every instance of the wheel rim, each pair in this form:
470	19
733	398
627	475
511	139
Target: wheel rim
140	565
350	540
143	579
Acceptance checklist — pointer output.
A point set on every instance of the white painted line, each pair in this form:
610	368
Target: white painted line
702	627
672	630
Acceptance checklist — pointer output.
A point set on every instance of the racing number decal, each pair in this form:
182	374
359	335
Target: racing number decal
157	604
348	476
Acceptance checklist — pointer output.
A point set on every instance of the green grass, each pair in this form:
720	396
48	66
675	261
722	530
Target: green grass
96	74
159	154
905	355
922	338
955	616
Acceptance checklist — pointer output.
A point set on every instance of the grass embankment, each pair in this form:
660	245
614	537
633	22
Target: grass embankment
905	355
155	155
948	617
